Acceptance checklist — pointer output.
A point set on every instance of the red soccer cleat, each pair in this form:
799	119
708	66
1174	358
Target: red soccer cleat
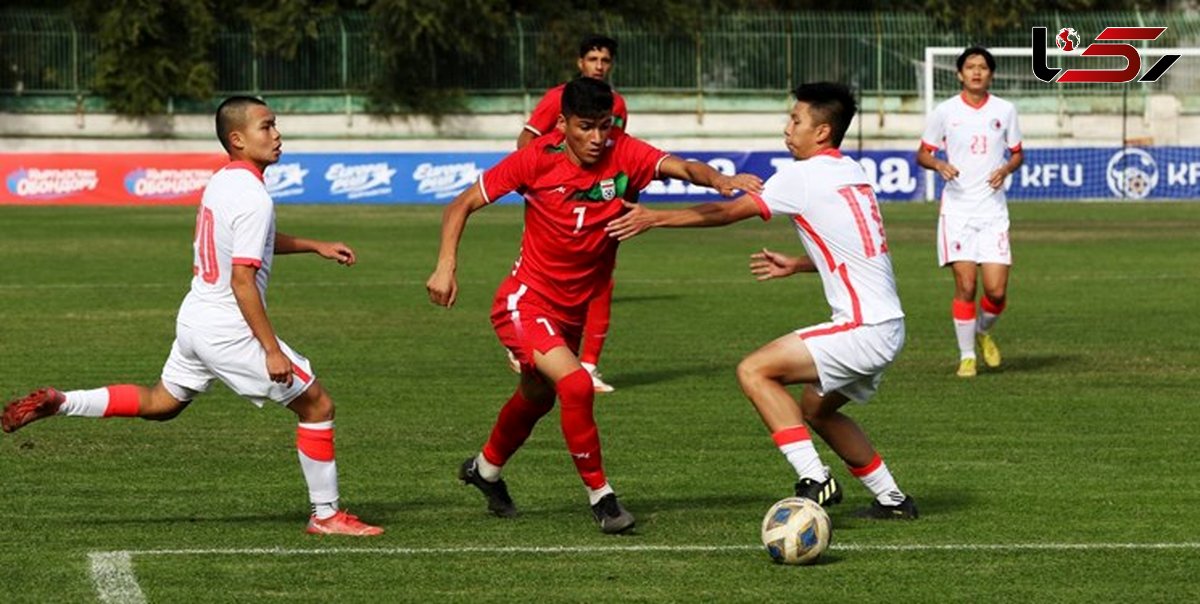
35	406
341	523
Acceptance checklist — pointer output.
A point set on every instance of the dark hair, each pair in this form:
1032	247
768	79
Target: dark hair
976	50
829	103
595	42
587	98
231	115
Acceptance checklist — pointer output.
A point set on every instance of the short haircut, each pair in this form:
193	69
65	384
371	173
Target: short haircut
587	98
231	115
976	50
595	42
829	103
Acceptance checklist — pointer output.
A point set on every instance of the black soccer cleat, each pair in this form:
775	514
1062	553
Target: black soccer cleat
905	510
613	518
824	493
496	493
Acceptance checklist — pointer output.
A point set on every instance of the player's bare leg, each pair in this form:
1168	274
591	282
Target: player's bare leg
763	376
992	303
847	439
314	445
577	397
963	311
533	399
124	400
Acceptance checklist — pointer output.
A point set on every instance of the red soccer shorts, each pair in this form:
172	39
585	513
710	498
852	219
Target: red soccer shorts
525	321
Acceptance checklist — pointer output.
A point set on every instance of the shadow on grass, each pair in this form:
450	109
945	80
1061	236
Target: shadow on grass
645	298
629	379
1033	363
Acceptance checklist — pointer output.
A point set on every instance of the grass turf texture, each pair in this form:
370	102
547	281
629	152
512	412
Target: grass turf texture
1085	436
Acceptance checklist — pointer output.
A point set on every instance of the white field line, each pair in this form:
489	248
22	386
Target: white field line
112	574
115	581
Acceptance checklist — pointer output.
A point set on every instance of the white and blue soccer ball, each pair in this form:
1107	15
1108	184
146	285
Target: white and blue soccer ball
796	530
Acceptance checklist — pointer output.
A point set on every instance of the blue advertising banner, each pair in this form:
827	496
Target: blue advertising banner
1065	173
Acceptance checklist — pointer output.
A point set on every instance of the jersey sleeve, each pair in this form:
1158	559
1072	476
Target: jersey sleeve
620	115
935	130
512	173
784	193
545	114
1013	136
642	160
250	228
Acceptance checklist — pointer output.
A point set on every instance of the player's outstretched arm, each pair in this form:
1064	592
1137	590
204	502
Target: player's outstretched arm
333	250
442	284
640	219
700	173
766	265
245	291
926	160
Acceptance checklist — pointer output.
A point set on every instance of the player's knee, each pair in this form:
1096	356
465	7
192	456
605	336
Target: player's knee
749	372
996	295
575	387
314	405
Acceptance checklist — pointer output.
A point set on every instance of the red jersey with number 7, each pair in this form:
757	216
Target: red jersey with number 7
565	253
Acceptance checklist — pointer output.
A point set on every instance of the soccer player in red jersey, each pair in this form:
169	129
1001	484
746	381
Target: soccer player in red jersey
574	182
222	331
596	57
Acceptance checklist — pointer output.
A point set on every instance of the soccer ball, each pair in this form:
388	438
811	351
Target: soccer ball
796	530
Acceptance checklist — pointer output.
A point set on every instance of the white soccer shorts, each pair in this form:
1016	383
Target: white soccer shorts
851	360
982	240
237	360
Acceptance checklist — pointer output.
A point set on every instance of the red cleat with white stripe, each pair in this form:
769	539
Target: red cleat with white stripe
35	406
342	523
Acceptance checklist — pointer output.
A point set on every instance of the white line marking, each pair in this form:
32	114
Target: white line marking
112	574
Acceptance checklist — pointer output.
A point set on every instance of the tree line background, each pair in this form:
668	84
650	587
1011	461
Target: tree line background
152	50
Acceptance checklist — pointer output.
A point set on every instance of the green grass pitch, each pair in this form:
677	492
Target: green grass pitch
1068	476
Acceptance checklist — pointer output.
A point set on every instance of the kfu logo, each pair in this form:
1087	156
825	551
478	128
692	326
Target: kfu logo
1068	40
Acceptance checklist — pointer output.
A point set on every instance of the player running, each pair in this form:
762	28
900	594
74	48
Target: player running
830	200
222	331
596	57
977	129
574	182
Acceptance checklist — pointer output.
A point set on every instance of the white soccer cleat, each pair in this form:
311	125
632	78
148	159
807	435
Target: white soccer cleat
598	383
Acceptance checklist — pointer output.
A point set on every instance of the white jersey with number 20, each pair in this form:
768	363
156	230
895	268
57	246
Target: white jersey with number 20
235	224
833	205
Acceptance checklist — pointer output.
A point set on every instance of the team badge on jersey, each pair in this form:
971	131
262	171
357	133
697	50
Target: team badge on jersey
608	189
996	125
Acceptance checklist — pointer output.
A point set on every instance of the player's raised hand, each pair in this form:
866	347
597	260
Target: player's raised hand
637	220
947	171
339	251
279	367
443	288
727	186
767	265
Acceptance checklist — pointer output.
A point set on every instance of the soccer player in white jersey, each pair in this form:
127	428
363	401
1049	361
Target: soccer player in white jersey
978	130
829	199
222	331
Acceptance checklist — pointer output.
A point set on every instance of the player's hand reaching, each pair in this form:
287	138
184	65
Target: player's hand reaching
947	171
279	367
745	182
442	287
767	265
337	251
637	220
